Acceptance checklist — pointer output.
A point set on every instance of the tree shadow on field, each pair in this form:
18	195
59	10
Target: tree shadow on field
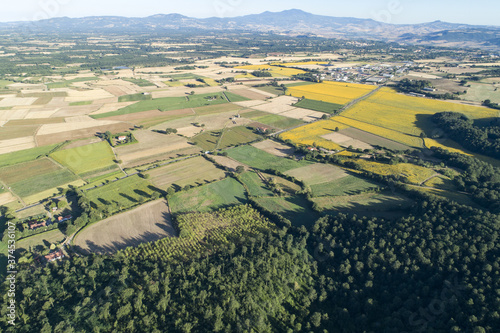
142	193
156	189
128	197
104	202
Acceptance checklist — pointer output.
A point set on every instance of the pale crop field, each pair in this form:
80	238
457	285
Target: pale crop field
275	148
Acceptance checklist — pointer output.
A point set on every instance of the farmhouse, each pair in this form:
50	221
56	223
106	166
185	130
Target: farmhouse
54	255
122	138
63	219
35	224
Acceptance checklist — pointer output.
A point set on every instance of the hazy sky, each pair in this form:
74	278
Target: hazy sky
390	11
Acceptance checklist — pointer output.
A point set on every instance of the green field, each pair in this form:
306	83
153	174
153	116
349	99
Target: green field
86	159
272	90
220	194
121	194
34	185
36	176
5	83
255	185
278	121
230	137
320	106
135	98
80	103
168	104
296	209
65	84
366	202
24	155
185	76
298	84
232	97
139	82
103	179
259	159
191	171
344	186
479	92
49	237
318	173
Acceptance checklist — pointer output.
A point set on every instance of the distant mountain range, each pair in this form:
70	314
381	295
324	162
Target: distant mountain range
292	22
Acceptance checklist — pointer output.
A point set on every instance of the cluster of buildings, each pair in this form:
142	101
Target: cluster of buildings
375	74
34	224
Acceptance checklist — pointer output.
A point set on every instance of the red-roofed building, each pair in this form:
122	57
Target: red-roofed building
54	255
35	224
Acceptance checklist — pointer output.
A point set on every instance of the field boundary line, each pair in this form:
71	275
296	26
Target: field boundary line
13	193
401	143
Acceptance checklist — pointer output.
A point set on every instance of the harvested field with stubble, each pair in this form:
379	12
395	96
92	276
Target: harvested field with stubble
80	133
150	144
148	223
13	145
373	139
346	141
7	197
274	148
182	173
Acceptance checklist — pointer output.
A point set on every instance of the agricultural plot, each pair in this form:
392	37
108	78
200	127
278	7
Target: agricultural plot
346	141
87	160
191	171
331	92
24	155
296	209
274	148
479	92
365	203
139	82
121	194
262	160
256	187
68	83
168	104
394	135
318	173
406	114
13	145
312	134
373	139
275	71
148	223
349	185
209	197
29	178
409	173
150	145
248	94
135	98
14	132
205	232
51	237
277	121
320	106
231	97
229	137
